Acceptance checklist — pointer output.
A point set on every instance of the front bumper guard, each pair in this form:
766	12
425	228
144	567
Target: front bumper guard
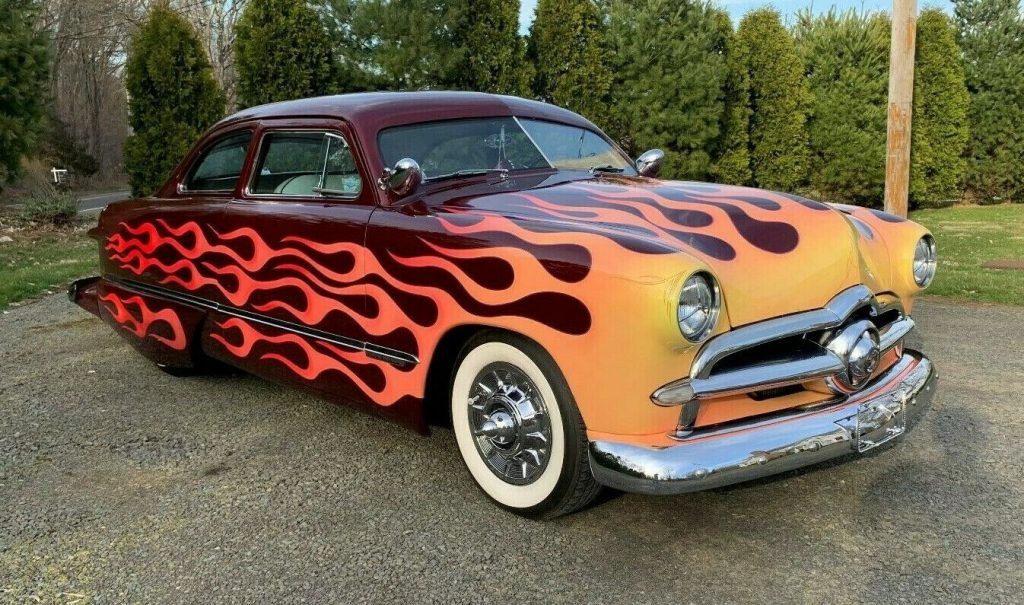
882	411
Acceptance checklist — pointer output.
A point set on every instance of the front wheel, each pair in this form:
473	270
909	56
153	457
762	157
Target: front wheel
519	432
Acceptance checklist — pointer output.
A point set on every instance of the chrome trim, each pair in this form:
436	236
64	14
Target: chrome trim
649	163
392	356
740	452
530	137
832	315
713	313
702	384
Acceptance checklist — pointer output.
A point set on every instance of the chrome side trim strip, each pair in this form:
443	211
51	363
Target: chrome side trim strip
711	458
392	356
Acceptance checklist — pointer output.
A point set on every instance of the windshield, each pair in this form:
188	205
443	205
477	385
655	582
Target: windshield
481	144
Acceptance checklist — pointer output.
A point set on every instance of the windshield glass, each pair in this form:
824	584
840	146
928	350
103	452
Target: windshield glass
481	144
574	148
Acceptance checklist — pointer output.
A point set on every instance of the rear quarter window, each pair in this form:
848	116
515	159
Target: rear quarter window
220	166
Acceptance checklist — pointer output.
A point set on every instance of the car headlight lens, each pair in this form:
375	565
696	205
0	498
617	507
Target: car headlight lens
925	261
698	306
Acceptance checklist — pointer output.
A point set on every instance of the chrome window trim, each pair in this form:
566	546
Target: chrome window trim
534	142
247	192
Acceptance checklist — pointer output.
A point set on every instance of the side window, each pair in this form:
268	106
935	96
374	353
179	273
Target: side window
306	164
220	166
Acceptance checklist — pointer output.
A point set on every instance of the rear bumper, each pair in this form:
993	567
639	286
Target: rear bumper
83	293
882	411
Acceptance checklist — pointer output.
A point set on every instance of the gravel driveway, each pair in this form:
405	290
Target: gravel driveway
119	483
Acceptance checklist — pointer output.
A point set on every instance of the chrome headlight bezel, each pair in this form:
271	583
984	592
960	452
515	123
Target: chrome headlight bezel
925	261
699	306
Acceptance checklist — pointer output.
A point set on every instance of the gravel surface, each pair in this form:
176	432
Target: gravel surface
119	483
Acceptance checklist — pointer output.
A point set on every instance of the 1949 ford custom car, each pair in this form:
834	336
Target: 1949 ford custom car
500	264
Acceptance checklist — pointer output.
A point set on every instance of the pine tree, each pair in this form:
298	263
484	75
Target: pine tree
939	133
669	76
24	69
568	43
991	36
733	164
778	101
846	56
282	52
487	53
173	97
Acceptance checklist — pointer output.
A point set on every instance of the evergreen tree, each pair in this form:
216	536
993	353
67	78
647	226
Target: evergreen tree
568	42
778	101
173	97
733	164
24	71
282	52
939	133
669	76
487	53
846	56
991	37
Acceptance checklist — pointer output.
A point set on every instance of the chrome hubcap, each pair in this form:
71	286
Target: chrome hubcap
510	423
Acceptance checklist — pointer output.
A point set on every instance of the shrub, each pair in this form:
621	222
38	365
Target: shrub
487	53
778	100
24	72
733	163
846	56
669	76
991	36
173	97
282	52
569	44
50	206
939	133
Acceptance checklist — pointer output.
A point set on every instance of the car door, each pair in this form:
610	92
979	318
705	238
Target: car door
286	255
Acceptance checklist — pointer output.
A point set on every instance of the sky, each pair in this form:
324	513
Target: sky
788	8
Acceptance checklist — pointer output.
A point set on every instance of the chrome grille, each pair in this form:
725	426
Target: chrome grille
783	351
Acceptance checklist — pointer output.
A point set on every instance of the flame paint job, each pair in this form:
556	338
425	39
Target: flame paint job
146	325
590	268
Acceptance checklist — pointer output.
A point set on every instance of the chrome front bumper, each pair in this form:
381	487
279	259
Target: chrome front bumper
880	412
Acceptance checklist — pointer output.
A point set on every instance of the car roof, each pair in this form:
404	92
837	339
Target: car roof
370	112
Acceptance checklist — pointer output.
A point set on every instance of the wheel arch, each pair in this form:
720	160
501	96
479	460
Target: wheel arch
443	364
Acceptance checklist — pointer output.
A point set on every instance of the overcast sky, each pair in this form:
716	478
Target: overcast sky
737	8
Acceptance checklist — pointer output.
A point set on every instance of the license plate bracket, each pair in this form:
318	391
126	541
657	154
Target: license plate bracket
881	421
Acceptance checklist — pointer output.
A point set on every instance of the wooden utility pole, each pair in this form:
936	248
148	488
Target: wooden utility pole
901	97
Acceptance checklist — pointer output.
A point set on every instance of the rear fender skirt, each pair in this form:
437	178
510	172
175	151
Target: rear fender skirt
163	330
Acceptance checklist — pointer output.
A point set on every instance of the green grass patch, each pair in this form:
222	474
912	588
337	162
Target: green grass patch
41	260
968	236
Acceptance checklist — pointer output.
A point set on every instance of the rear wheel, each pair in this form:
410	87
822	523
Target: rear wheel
518	429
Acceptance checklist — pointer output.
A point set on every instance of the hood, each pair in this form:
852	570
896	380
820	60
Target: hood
773	253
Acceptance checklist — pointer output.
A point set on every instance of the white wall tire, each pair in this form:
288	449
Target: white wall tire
563	482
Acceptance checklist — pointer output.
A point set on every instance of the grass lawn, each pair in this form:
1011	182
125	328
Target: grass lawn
966	237
41	260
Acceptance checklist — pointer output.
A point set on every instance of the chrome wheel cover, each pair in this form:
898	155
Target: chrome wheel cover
510	423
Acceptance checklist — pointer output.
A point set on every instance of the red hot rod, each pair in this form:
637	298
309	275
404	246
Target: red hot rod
501	265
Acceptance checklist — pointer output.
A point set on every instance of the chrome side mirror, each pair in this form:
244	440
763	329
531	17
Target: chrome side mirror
649	163
403	179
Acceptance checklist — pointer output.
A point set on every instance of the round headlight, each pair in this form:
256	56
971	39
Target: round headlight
925	261
698	306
